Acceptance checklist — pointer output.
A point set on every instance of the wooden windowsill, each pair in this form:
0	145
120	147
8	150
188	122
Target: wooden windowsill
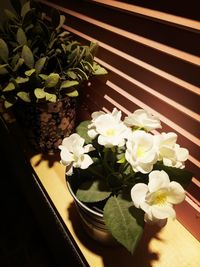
173	245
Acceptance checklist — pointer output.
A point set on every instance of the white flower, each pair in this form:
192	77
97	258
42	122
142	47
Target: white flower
73	153
169	152
109	128
142	119
141	152
157	198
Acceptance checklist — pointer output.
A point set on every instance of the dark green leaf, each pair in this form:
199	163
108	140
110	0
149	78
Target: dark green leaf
20	62
15	59
3	69
82	130
181	176
25	8
21	37
24	96
27	55
10	15
93	191
125	222
3	50
40	64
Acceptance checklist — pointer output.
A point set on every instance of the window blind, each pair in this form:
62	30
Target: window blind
151	51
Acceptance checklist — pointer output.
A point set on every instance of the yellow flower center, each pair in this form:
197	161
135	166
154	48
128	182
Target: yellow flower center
140	152
110	132
158	198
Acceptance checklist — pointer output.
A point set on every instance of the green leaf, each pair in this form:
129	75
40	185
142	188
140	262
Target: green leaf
8	104
10	15
82	130
40	93
93	191
62	21
4	53
16	4
88	66
20	62
21	80
9	87
43	76
21	37
74	93
64	34
3	69
81	73
29	72
52	80
40	64
24	96
98	70
125	222
51	97
67	84
25	8
93	48
71	74
122	159
14	60
27	55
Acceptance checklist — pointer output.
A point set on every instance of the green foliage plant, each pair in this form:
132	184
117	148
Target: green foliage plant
39	60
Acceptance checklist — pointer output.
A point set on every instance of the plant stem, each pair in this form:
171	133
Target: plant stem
95	173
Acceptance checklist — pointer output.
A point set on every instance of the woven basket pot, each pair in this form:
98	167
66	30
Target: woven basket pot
46	124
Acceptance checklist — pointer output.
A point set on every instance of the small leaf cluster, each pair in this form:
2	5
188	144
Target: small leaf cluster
39	60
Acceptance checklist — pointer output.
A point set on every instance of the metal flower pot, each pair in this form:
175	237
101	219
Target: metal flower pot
92	220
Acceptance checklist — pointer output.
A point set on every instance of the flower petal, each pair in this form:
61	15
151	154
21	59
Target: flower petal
86	162
163	212
157	180
176	193
138	193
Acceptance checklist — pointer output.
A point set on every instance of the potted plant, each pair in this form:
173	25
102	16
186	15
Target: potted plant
122	176
44	67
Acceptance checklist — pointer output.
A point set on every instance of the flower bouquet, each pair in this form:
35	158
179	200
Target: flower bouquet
133	173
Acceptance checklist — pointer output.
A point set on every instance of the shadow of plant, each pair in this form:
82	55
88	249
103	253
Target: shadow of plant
117	256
